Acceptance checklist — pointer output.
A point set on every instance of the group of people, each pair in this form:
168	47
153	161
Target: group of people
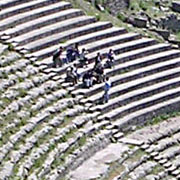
89	77
72	53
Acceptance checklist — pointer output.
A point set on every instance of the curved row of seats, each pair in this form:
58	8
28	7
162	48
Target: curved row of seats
152	153
37	105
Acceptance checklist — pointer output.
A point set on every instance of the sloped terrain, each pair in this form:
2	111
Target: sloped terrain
49	128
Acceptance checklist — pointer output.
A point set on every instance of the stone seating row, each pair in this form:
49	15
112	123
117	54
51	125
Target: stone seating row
40	22
33	93
131	85
135	95
97	88
73	33
27	16
84	153
142	170
141	116
60	151
169	153
51	40
165	143
126	76
124	47
145	103
8	58
60	135
24	7
10	3
120	48
12	79
164	148
29	145
47	31
33	122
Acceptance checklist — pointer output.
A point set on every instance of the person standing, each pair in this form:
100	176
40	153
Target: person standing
57	59
107	87
82	58
111	58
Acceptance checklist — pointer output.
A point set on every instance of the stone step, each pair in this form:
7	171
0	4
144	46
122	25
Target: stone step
170	152
24	7
176	161
127	46
118	135
145	114
124	47
46	31
70	34
62	132
130	141
145	61
165	143
125	77
11	3
31	15
93	145
95	36
134	95
176	172
38	119
160	55
141	104
168	139
42	21
31	140
54	39
111	41
142	52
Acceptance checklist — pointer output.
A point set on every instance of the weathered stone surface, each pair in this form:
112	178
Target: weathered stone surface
140	22
7	171
176	6
164	33
116	6
98	164
131	141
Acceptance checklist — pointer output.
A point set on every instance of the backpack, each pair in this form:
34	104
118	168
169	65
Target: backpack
107	86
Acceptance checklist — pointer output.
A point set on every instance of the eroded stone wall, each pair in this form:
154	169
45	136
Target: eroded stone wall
116	5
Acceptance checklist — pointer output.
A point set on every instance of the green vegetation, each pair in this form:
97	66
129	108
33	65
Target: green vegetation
157	169
121	17
117	167
136	5
22	92
11	47
178	36
62	41
92	11
162	117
